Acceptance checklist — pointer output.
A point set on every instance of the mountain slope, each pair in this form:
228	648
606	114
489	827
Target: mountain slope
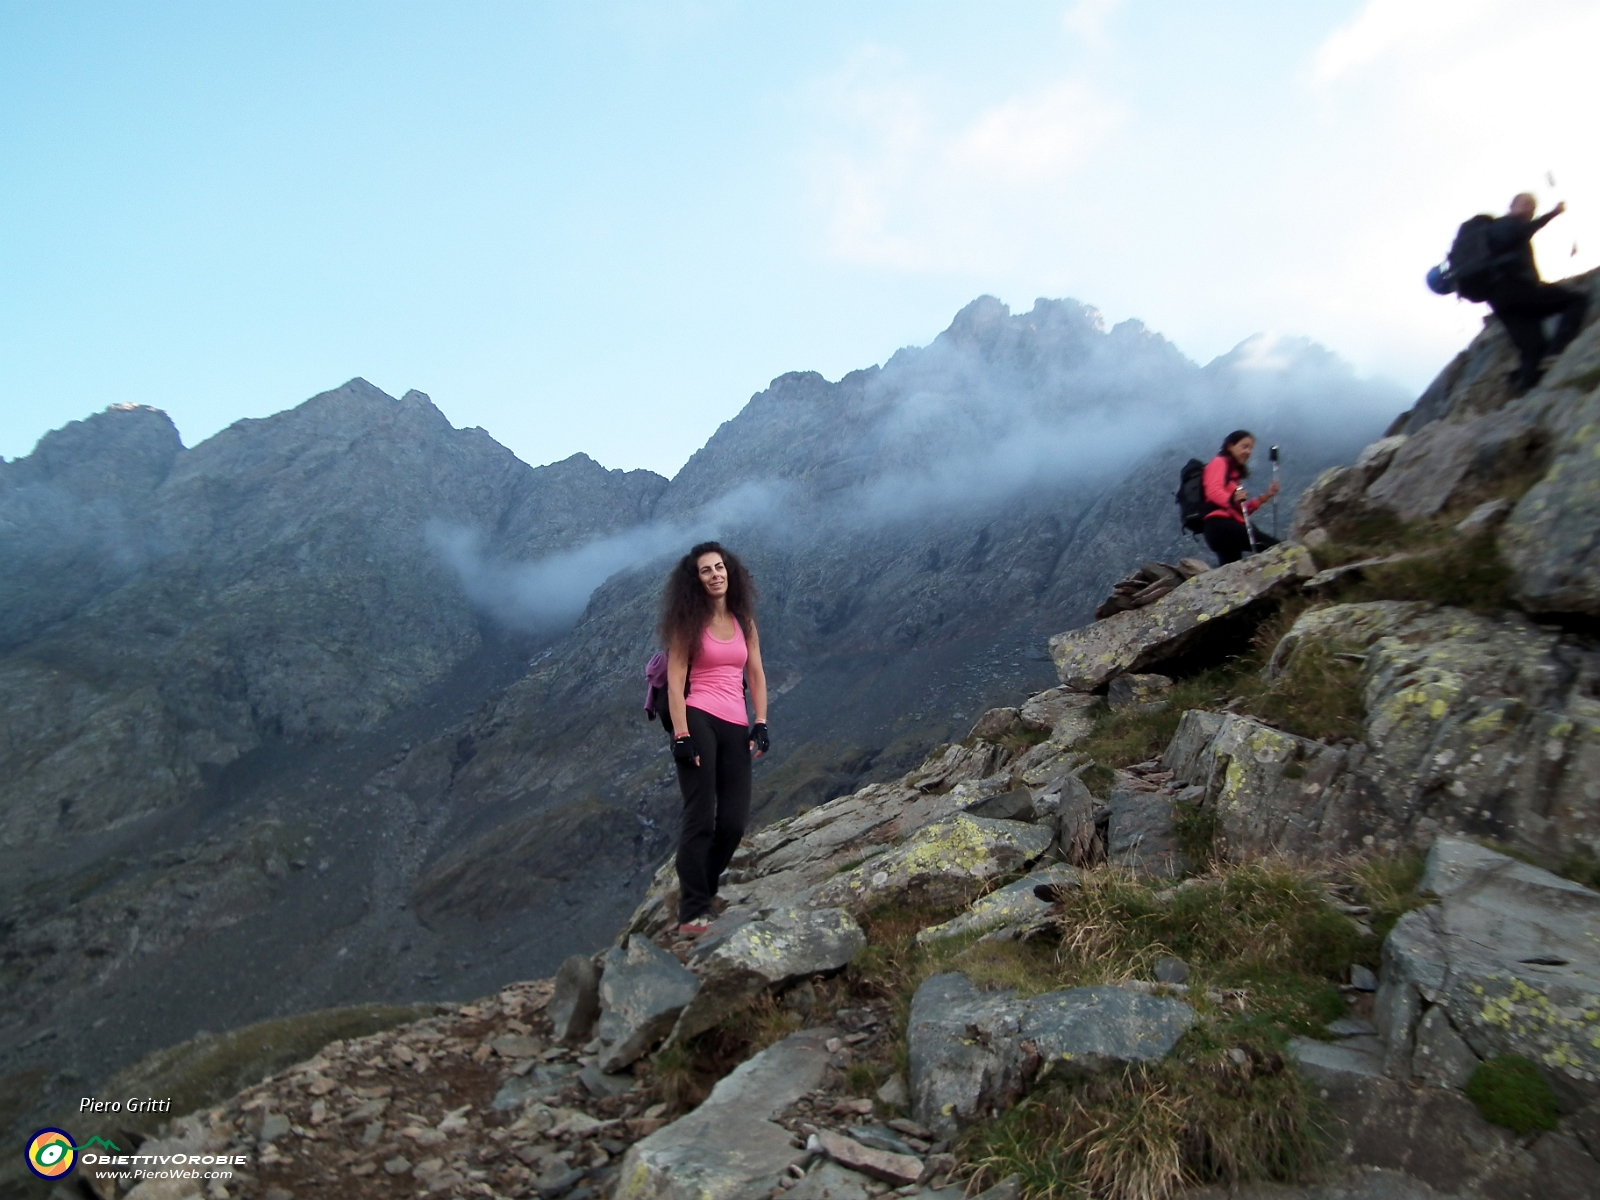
356	717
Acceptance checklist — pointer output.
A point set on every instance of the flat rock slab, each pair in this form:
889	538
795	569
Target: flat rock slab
885	1165
1017	904
1064	714
1091	657
973	1052
730	1148
643	990
946	861
1509	960
736	965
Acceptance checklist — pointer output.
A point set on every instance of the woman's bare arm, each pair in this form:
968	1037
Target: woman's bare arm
677	676
758	678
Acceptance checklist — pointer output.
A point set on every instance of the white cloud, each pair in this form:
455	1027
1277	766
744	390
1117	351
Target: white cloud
1386	25
906	186
1087	19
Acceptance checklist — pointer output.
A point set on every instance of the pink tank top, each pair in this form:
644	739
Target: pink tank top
716	677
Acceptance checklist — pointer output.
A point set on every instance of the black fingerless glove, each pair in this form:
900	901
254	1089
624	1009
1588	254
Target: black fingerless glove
683	750
758	735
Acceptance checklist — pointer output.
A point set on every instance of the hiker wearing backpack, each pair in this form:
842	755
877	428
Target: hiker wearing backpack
1491	260
708	628
1227	504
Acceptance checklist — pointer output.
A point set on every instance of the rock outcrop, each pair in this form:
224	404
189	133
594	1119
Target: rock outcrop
1127	642
974	1053
1508	962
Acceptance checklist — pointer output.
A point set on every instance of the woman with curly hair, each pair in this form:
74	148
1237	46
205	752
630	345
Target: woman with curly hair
708	628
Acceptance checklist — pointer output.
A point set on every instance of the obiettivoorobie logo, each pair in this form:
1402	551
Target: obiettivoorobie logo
52	1154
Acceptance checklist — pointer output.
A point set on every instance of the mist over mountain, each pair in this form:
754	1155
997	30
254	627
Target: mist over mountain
344	704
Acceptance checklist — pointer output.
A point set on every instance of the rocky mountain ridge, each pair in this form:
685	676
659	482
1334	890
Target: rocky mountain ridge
1037	960
298	715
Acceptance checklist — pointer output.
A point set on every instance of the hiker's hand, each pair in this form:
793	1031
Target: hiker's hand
1560	208
759	741
683	751
1271	491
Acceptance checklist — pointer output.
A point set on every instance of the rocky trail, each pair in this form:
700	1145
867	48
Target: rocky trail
1287	890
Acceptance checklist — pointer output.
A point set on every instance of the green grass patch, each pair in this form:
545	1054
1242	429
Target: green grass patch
1580	868
1510	1091
1467	573
1317	696
1241	922
1196	828
1120	739
1225	1107
1388	886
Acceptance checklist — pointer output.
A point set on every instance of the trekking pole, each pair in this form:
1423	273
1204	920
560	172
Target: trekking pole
1273	453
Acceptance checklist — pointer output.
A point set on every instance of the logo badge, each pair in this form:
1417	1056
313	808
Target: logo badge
51	1153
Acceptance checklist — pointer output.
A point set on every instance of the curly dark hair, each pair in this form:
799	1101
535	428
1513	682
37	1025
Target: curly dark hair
685	607
1233	439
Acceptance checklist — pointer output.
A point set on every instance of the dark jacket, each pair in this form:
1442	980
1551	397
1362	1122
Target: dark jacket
1511	240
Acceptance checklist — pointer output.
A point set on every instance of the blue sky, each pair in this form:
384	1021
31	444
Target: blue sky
602	226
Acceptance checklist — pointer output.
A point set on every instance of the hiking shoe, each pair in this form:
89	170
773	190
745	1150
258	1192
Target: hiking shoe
695	927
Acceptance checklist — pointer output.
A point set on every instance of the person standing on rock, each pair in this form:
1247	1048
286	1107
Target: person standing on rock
1519	298
1228	504
708	628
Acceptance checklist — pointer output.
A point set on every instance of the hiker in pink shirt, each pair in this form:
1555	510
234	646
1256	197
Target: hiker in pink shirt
709	630
1228	504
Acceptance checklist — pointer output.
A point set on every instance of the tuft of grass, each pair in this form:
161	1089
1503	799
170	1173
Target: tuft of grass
1467	573
1150	1131
1241	922
1317	696
1389	887
1120	739
683	1074
1580	868
1510	1091
861	1079
1197	828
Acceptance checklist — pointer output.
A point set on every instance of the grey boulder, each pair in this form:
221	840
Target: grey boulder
739	964
730	1148
575	1003
1090	657
946	861
1015	908
1508	962
973	1053
643	989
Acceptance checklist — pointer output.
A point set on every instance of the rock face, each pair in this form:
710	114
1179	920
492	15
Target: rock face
1508	962
1473	724
1272	791
1013	908
736	965
353	624
1127	642
729	1148
1468	440
941	862
974	1052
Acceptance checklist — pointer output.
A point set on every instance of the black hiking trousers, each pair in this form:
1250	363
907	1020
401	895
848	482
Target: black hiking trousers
1230	540
1522	306
716	809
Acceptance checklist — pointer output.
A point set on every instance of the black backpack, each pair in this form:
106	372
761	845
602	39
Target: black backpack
1191	496
1472	259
